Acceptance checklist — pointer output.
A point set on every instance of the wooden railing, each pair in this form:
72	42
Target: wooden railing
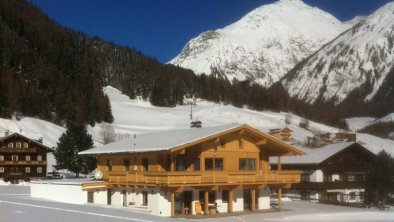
208	177
22	162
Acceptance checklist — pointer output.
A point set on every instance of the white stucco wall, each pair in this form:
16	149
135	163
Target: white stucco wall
263	200
100	196
316	176
59	192
238	200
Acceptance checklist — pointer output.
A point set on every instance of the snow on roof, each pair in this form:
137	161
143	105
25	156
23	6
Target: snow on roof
314	156
159	141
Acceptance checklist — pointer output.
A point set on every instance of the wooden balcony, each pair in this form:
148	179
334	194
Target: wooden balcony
203	178
18	150
22	163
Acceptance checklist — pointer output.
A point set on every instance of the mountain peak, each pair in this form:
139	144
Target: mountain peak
264	44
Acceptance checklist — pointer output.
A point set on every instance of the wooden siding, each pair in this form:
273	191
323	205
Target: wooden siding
230	148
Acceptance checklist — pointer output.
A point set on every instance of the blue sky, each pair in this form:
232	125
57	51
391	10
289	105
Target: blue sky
160	28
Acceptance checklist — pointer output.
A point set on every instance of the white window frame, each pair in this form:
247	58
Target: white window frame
14	157
27	158
25	145
10	145
27	170
39	158
1	169
18	145
1	158
39	169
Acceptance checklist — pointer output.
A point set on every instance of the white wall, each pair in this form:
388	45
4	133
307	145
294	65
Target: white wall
238	200
316	176
59	192
100	197
263	200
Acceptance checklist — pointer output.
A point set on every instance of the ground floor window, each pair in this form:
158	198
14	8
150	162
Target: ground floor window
145	198
1	169
225	196
352	196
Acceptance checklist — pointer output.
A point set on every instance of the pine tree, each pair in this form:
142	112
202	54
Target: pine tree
380	178
74	140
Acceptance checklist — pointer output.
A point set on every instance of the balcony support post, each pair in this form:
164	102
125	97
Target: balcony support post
230	200
172	204
206	202
279	164
280	198
253	194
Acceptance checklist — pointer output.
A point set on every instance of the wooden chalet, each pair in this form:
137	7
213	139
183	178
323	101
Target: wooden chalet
192	171
283	134
22	158
333	173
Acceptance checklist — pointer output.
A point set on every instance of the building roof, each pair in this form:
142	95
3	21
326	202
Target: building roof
317	155
167	140
26	138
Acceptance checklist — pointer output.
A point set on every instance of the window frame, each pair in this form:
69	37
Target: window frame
109	165
10	145
27	170
39	157
25	145
247	163
2	169
39	169
28	158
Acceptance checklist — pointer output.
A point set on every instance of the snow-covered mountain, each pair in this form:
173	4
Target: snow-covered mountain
362	58
264	45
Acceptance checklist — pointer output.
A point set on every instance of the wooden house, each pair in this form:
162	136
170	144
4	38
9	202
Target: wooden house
282	134
333	173
192	171
22	158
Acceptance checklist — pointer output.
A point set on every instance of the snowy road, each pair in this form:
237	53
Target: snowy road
16	205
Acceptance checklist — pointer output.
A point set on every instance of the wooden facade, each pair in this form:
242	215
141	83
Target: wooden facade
22	158
236	158
344	170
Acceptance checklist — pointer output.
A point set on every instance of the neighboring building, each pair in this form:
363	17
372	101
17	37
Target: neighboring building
347	137
283	134
333	173
22	158
192	171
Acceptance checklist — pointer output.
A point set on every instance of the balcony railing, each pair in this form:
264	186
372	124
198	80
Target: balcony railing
22	162
201	178
18	150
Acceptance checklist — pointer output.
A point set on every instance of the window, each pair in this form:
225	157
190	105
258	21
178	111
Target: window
18	145
109	165
351	178
14	158
1	158
39	158
10	145
214	164
305	177
327	178
197	164
27	157
352	195
247	164
27	170
225	196
39	169
145	198
25	145
126	164
1	169
180	163
218	164
208	164
145	164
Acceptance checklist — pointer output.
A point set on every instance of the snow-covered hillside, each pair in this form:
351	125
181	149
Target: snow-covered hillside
137	116
263	45
361	58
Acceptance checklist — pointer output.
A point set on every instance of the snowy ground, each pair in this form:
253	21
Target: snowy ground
16	206
138	116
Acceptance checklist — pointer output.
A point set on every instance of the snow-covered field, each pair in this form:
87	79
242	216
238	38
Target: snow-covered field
138	116
358	123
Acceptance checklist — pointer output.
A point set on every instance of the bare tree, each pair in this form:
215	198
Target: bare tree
108	133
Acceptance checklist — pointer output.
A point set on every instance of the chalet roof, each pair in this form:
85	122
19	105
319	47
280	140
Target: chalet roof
167	140
315	156
26	138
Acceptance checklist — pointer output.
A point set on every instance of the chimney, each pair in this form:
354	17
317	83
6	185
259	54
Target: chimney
7	133
40	140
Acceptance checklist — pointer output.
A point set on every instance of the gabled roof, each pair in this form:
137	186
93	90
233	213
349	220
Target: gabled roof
317	155
177	139
26	138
